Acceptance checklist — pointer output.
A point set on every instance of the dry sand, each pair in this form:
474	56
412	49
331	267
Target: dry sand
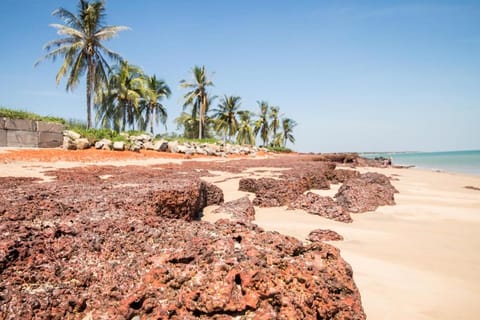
419	259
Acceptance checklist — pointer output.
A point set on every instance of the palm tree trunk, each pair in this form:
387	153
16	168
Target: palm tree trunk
124	120
90	74
149	115
200	124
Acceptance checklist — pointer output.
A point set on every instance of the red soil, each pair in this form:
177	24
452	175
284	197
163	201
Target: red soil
93	155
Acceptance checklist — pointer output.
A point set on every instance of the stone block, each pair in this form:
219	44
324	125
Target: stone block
43	126
3	138
50	139
20	124
19	138
2	123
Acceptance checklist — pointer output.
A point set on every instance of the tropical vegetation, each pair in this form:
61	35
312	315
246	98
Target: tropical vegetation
197	97
82	48
126	98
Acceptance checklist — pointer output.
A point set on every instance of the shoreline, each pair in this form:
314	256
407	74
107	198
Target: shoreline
417	259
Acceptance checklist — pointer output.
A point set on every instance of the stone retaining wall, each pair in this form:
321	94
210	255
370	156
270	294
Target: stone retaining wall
30	133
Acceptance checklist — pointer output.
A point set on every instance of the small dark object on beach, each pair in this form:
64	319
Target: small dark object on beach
472	188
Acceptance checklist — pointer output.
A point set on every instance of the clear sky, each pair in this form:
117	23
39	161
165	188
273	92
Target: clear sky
356	75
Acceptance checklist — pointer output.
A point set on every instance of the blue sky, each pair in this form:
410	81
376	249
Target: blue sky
355	75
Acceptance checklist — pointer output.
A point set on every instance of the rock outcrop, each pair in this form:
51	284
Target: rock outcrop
366	193
279	192
240	209
100	243
323	206
324	235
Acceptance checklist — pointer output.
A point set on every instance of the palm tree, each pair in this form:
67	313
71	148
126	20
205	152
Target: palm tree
154	110
226	115
197	96
188	124
81	47
245	131
261	125
275	123
107	113
287	128
125	89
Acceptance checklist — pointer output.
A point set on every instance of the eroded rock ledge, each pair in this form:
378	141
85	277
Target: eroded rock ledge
120	243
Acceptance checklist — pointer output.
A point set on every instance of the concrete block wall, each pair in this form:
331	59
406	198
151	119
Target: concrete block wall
30	133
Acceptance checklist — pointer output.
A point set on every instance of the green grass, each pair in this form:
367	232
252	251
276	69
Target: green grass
279	149
21	114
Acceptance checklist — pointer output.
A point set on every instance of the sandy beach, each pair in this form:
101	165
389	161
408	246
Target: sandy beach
418	259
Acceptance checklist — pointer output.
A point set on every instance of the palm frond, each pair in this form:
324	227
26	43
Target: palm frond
68	31
109	32
68	17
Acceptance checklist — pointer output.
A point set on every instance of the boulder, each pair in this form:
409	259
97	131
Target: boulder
182	148
104	144
118	146
164	146
68	143
279	192
157	146
211	149
323	206
318	235
240	209
71	134
341	175
173	147
82	143
148	145
134	148
365	193
183	198
211	193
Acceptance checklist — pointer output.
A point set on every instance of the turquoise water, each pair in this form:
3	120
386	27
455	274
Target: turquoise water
451	161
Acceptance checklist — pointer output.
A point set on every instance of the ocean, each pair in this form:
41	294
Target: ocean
450	161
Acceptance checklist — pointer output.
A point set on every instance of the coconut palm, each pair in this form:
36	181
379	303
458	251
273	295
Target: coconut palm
151	106
107	113
261	124
275	120
126	87
225	115
188	124
245	131
287	128
82	49
197	96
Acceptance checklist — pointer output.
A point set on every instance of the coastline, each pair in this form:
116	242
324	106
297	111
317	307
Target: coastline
417	259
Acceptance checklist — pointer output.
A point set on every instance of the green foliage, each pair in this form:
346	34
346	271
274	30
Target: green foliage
199	141
82	48
198	97
279	149
20	114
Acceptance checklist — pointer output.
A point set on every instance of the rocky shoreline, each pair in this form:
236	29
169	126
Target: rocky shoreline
103	242
74	141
